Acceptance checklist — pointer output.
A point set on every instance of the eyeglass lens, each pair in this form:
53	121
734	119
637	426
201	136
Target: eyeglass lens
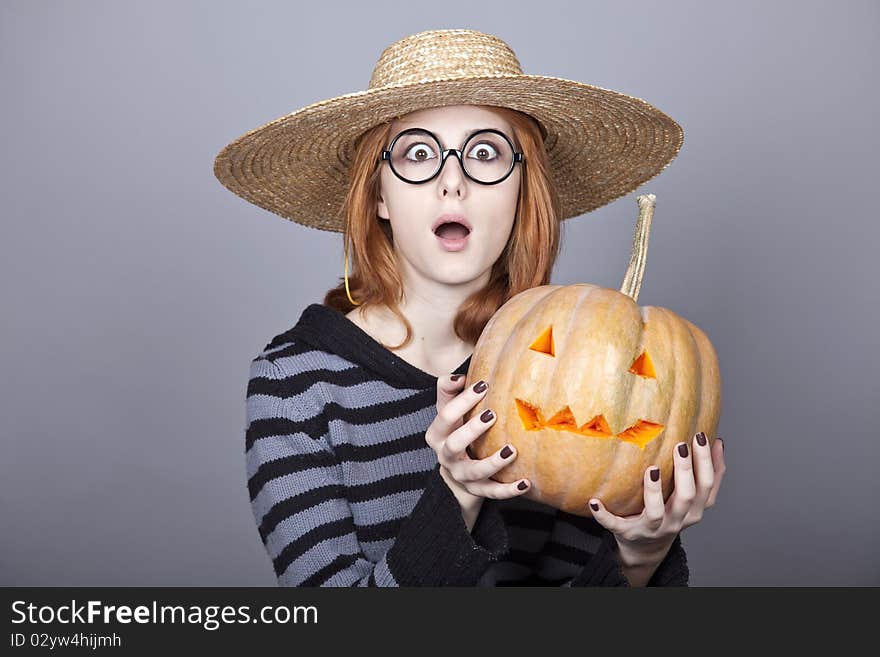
416	156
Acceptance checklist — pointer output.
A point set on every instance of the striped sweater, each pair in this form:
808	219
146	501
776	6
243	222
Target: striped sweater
346	492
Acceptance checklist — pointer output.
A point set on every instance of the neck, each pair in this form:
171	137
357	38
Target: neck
432	321
431	307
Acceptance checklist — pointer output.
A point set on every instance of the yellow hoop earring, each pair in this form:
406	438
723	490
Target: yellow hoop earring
347	291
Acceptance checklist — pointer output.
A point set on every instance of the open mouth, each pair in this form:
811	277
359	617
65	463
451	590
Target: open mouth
452	230
640	433
452	235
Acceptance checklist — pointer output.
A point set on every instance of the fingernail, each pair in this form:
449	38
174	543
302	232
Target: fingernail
594	507
718	438
487	415
701	439
655	474
506	452
683	449
455	377
522	485
480	386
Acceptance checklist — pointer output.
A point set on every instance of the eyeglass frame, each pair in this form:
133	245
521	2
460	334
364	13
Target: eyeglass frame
444	154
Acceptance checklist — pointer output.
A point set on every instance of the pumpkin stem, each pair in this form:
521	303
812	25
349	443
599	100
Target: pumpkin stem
632	282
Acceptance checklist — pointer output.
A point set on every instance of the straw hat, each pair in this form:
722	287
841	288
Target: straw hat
601	144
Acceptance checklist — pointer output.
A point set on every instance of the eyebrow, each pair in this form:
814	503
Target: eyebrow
468	132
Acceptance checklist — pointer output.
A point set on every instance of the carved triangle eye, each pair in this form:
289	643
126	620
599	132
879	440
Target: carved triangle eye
644	366
544	343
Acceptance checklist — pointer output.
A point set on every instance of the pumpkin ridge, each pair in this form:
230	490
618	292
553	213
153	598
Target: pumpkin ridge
585	294
656	452
616	306
710	382
631	433
535	452
686	361
697	378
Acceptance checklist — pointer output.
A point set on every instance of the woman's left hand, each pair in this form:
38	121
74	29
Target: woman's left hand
647	537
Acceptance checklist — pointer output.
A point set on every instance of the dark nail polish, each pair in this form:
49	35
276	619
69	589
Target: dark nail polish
487	415
480	386
701	438
522	485
683	450
506	452
455	377
655	474
594	507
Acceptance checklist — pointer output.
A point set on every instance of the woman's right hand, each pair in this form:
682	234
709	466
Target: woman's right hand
448	435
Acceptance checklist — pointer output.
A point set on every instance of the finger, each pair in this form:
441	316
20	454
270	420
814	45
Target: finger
719	466
498	491
703	468
453	448
614	524
685	488
655	510
448	387
477	470
449	416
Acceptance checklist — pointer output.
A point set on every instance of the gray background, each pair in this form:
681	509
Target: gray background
136	289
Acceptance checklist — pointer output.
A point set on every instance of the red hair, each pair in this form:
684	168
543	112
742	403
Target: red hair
527	260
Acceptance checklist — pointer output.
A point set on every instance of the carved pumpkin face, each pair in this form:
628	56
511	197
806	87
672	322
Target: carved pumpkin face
640	433
592	389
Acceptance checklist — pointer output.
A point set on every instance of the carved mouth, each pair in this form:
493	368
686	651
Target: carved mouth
640	433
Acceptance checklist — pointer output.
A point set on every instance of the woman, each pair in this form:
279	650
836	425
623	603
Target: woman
355	442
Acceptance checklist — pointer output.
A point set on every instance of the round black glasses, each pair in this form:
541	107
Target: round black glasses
486	157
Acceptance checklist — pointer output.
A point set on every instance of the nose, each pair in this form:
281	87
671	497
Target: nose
452	178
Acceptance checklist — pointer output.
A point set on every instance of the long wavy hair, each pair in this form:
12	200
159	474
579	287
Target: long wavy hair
526	261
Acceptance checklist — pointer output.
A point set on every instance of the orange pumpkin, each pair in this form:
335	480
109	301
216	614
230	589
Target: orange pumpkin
592	389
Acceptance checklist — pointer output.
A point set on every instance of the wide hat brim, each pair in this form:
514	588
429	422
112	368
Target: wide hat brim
601	144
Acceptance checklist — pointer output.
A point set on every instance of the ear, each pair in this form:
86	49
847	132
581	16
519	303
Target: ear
382	208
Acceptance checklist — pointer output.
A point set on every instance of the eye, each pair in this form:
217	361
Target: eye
485	151
544	343
420	151
644	366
